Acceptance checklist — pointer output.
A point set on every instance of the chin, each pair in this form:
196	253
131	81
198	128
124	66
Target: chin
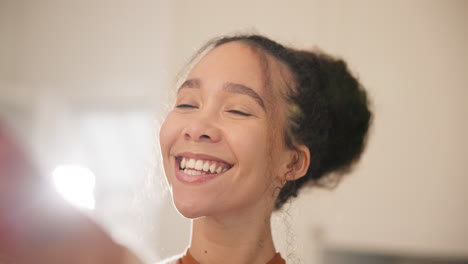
189	211
187	206
189	215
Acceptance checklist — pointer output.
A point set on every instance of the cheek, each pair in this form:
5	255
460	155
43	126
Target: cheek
257	169
168	134
251	144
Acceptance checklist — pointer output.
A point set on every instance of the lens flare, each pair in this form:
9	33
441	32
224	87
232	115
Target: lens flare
75	184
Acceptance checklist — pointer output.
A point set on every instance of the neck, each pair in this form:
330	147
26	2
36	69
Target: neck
239	238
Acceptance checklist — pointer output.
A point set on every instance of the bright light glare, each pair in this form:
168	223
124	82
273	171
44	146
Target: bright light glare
75	184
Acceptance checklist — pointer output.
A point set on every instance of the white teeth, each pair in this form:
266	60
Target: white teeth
199	165
213	167
193	172
191	163
206	166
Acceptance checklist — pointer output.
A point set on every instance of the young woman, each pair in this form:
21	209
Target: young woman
253	122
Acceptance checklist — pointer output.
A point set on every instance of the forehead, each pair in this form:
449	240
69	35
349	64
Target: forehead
231	62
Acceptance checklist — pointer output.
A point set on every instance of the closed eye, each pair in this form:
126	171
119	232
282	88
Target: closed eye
237	112
185	106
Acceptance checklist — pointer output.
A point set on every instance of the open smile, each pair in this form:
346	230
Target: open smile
199	169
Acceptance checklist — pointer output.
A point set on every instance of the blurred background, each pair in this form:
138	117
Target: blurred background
85	84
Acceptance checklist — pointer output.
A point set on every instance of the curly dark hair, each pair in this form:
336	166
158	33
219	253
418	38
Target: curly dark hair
328	111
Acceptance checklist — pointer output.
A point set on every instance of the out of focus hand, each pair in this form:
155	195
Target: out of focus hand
37	226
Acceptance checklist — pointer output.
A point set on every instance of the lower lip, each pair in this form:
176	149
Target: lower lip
183	177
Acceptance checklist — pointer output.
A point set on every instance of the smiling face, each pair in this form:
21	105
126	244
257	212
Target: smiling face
222	144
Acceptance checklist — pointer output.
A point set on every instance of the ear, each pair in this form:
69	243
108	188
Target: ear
297	163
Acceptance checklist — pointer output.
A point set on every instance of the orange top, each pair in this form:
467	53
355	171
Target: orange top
188	259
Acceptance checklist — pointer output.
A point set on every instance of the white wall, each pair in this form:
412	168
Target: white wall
408	193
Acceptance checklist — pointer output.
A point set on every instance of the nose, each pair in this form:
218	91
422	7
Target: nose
202	129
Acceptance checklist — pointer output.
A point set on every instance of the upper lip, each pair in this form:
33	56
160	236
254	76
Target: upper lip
201	156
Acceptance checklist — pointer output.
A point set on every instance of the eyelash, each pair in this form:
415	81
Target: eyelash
239	113
185	106
236	112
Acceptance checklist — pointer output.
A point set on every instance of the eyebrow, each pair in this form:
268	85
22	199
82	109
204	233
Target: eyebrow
228	87
191	83
242	89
